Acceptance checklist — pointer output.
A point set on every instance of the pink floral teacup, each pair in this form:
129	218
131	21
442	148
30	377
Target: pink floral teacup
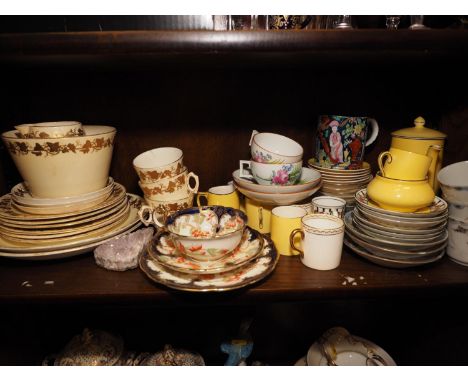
268	174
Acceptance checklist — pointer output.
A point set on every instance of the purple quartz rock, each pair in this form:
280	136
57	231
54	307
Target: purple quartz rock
122	253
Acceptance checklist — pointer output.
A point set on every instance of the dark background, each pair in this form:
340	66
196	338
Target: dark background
208	107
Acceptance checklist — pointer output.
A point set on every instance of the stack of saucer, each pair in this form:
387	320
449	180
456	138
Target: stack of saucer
165	181
342	183
208	249
397	239
34	228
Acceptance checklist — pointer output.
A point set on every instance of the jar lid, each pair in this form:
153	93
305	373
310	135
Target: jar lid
419	131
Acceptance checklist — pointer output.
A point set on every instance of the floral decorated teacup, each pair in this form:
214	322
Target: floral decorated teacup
268	174
206	233
274	148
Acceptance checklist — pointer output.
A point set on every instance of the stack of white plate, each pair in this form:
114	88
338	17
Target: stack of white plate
397	239
33	228
343	183
276	195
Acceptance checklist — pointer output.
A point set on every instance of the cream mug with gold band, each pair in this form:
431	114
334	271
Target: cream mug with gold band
259	216
322	241
284	220
404	165
226	196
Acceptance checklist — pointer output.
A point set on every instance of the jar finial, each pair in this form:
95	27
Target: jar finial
419	122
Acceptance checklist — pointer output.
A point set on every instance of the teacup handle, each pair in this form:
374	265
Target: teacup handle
193	189
254	132
148	216
375	131
291	240
199	196
243	174
381	158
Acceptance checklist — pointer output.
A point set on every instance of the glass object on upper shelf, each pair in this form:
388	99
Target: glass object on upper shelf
417	22
392	22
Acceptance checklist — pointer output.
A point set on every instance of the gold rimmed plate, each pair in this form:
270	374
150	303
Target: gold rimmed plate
438	207
395	244
47	234
390	263
88	218
163	250
247	274
312	162
17	248
9	211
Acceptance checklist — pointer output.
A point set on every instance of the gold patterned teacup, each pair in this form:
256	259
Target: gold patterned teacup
322	241
159	163
50	129
174	188
156	211
404	165
226	196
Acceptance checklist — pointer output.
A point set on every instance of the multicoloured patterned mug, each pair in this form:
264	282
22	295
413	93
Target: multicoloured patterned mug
341	140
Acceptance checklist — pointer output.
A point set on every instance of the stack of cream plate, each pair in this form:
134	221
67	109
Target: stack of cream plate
33	228
343	183
397	239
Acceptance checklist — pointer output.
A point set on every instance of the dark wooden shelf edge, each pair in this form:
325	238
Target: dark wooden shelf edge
75	45
80	280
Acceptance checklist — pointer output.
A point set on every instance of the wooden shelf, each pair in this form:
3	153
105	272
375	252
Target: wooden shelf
311	45
79	279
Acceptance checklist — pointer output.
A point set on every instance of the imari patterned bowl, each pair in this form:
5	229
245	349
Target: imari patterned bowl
62	167
207	233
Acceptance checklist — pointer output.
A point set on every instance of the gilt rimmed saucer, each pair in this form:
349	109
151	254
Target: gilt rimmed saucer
163	250
247	274
438	207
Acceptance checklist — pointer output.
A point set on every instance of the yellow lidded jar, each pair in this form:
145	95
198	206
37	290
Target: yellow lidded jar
419	139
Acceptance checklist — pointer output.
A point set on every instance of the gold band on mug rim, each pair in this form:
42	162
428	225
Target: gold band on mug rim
323	231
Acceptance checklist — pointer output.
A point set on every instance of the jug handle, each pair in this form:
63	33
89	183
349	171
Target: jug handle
433	152
381	159
375	131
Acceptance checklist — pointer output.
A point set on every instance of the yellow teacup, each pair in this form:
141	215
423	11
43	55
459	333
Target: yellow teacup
404	165
259	216
226	196
284	220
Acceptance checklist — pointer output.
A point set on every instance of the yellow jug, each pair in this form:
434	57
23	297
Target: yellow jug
419	139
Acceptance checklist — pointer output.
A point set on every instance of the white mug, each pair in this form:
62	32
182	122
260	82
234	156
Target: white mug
322	241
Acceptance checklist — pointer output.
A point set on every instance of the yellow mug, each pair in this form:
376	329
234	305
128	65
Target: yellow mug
284	220
404	165
259	216
226	196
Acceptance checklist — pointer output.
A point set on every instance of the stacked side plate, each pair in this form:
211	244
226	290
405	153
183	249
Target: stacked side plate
280	195
397	239
69	230
254	259
342	183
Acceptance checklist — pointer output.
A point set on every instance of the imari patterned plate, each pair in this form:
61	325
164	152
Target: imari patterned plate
163	250
250	273
438	207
